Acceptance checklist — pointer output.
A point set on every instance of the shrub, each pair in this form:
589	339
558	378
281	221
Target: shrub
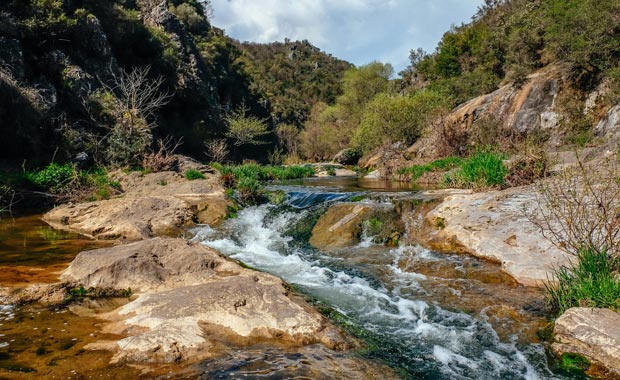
250	190
245	129
591	282
194	175
56	178
580	208
388	119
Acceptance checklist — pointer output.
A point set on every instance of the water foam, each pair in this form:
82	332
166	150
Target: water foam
455	344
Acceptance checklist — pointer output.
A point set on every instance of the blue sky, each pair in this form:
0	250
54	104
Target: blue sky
358	31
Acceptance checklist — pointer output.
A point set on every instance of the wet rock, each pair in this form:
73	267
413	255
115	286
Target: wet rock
492	225
153	205
41	293
188	295
347	157
343	224
593	333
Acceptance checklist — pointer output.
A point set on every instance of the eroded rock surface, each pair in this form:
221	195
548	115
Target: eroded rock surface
153	205
342	224
593	333
188	296
492	225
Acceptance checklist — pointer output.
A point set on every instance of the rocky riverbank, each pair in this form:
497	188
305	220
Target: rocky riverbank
188	303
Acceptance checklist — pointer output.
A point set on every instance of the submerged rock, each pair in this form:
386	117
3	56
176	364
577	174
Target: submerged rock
592	333
190	297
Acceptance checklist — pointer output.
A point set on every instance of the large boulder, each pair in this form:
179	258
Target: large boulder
188	296
492	225
343	224
153	205
592	333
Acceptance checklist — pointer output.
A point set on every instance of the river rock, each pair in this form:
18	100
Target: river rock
342	224
188	297
493	225
152	205
593	333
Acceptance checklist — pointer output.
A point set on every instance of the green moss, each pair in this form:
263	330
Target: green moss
574	363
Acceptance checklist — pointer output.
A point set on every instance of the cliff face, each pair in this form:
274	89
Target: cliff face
545	104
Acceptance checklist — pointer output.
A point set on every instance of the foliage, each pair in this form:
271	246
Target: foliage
388	119
245	129
250	190
192	175
57	178
292	76
481	170
590	282
509	39
67	182
416	171
329	128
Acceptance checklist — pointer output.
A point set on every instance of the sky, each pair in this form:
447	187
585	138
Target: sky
359	31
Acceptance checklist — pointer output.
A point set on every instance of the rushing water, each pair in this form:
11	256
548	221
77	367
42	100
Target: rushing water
429	315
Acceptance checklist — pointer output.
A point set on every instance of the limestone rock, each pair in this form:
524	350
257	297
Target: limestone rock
492	225
593	333
189	295
153	204
123	218
347	157
341	226
609	126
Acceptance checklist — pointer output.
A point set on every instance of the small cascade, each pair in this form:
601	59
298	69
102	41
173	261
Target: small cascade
404	325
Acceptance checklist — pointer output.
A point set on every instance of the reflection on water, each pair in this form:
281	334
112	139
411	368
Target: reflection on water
31	251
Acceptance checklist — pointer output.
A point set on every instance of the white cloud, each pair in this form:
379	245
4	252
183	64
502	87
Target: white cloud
359	31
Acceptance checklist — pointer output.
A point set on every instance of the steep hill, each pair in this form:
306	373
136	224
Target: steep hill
63	63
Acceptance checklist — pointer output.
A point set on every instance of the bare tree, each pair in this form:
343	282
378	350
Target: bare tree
217	150
163	158
580	208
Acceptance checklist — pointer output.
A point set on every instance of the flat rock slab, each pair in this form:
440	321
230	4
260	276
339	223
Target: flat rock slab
492	225
593	333
154	205
188	296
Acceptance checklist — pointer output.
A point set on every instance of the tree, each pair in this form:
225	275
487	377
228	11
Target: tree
388	118
245	129
289	137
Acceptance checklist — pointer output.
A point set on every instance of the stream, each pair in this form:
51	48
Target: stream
429	315
425	314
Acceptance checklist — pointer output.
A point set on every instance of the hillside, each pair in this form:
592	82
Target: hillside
62	65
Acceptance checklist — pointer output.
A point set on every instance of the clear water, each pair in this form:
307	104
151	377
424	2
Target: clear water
413	321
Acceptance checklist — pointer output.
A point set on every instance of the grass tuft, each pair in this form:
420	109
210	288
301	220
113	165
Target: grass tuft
592	282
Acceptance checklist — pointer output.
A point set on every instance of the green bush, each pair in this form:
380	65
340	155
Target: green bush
192	175
591	282
56	178
250	190
483	169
